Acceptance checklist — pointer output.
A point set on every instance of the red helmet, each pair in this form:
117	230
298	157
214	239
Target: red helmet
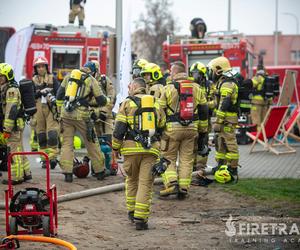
81	169
40	60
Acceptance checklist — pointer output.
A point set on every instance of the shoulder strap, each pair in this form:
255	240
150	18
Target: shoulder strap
135	99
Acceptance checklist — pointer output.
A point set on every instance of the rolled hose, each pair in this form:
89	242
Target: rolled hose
55	241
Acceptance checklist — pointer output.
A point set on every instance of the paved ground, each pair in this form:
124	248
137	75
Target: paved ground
266	164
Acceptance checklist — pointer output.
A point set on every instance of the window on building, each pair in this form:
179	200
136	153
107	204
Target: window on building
295	55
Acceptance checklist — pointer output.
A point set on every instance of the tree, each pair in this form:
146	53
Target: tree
153	29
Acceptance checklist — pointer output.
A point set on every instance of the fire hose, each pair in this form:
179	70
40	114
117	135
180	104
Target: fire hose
43	239
94	191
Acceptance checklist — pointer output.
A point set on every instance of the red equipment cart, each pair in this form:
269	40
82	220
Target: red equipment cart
33	209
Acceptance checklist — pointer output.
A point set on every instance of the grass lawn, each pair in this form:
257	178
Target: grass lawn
276	192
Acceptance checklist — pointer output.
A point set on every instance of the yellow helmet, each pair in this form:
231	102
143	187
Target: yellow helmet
7	70
140	63
97	64
77	142
219	65
137	66
153	69
222	175
198	66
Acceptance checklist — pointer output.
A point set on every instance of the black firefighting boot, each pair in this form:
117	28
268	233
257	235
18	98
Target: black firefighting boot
182	193
140	224
53	163
27	177
100	176
44	164
68	177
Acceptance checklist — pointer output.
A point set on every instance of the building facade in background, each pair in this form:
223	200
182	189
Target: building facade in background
288	48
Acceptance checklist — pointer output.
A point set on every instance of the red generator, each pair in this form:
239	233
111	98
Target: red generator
32	209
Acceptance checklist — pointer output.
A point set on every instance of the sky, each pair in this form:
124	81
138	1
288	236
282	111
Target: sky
252	17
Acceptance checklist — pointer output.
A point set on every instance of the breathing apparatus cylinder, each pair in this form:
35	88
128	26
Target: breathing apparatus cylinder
148	116
72	88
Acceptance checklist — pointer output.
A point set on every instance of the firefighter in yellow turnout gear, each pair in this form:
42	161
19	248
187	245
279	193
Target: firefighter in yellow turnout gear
187	115
139	122
104	122
154	79
226	114
198	73
47	127
259	104
13	124
73	98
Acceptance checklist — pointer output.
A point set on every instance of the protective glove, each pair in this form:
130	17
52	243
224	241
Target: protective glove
160	167
45	91
217	127
102	116
204	151
94	116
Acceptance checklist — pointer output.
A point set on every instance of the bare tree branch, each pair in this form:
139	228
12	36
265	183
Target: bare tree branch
153	29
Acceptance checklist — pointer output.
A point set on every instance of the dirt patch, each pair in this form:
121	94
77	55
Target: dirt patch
199	222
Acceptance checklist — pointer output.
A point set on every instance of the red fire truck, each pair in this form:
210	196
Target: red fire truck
66	48
229	44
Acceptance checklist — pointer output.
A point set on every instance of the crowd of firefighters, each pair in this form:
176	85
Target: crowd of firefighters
161	128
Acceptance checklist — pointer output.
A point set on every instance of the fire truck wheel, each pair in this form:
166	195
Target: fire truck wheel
46	226
13	227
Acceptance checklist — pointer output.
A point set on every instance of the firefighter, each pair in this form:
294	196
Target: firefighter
139	155
73	101
226	114
137	67
154	79
13	124
259	103
45	119
187	116
105	115
165	71
77	9
198	72
198	28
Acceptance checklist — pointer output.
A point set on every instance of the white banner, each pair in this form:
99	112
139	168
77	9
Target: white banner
125	55
16	50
